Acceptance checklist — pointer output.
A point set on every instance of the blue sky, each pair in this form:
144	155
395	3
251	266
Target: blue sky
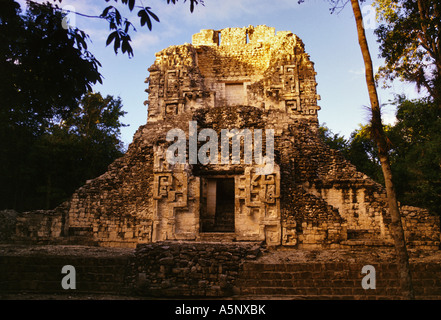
330	39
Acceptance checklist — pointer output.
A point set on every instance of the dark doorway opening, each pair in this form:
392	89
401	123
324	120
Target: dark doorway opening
217	205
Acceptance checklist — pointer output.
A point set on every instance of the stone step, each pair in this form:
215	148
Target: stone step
349	292
360	242
296	275
302	283
293	267
307	280
217	236
316	291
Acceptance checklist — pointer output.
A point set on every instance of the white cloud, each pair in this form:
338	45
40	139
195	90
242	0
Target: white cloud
97	35
357	72
141	41
389	119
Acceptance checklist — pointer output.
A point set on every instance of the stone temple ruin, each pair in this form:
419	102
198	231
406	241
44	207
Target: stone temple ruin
235	78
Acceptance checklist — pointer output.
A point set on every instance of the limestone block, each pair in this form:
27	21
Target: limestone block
206	37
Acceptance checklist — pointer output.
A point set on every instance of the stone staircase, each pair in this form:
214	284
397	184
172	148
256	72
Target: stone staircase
334	280
365	238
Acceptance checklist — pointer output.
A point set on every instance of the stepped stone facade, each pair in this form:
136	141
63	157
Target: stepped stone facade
234	79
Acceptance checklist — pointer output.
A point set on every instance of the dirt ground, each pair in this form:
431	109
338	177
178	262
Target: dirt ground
63	250
270	256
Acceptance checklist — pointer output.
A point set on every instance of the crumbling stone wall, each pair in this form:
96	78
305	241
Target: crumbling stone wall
117	207
190	269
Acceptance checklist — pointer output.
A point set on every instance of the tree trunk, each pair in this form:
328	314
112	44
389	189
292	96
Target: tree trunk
381	141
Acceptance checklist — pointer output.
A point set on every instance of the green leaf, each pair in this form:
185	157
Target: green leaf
117	17
111	37
116	43
152	14
106	11
131	4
